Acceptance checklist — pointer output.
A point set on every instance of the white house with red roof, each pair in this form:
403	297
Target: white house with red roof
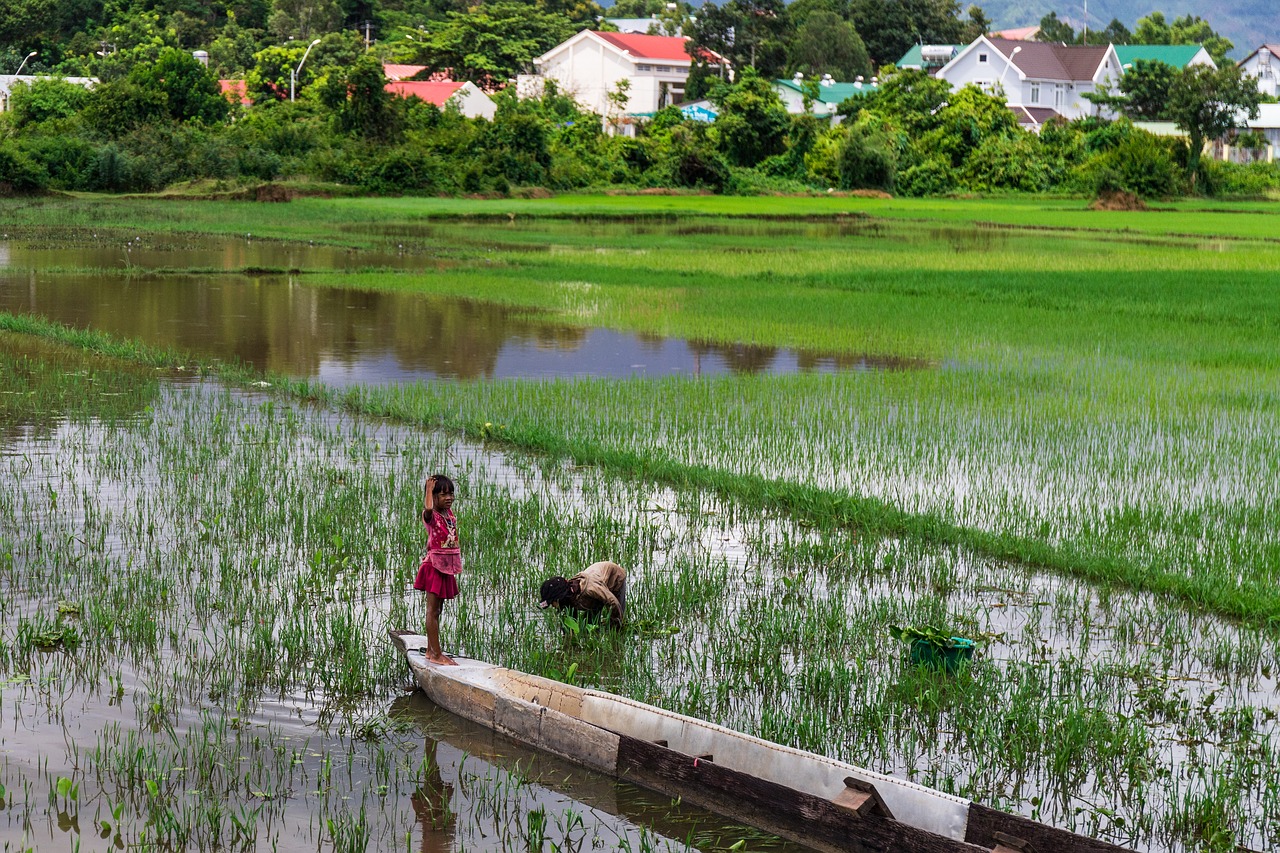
590	65
1041	79
470	100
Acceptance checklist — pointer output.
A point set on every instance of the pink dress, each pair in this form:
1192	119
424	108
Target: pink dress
439	569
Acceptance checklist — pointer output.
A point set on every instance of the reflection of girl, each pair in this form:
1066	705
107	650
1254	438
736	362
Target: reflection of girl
431	804
437	576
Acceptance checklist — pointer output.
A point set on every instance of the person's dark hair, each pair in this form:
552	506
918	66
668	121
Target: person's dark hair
554	590
444	486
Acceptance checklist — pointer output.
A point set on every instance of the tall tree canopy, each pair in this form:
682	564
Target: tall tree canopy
826	44
1206	103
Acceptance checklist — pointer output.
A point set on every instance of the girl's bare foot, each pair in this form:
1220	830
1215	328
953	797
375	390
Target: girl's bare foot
440	658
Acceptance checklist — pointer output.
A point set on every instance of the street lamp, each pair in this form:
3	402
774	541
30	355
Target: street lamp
294	72
1008	63
22	64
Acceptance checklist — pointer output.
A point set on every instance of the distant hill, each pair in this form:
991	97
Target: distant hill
1248	23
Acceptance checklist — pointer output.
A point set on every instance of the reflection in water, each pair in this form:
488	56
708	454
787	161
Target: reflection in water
345	337
481	791
433	805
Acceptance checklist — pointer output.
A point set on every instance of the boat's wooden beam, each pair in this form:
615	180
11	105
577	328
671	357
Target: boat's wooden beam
813	821
1006	843
861	798
991	829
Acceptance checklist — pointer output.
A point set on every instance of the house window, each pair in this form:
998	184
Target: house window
1059	97
982	57
1035	93
644	67
664	68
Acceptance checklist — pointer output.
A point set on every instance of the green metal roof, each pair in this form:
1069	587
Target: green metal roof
833	93
1176	55
912	57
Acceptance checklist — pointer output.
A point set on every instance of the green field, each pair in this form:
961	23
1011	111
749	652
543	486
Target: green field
1074	455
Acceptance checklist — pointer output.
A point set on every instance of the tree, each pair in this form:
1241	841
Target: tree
495	42
303	19
1054	30
890	27
1146	87
1189	29
1114	33
190	92
752	124
712	31
360	102
827	44
1206	103
45	99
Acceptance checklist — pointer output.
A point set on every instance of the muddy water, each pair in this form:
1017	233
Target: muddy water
280	324
255	312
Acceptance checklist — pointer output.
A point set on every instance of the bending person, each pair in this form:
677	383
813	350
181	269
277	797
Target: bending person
601	585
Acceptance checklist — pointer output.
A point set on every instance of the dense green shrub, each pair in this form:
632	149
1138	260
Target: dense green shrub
1142	164
20	173
1015	162
406	168
1236	180
928	177
867	159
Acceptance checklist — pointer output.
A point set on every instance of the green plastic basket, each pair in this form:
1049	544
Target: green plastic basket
951	659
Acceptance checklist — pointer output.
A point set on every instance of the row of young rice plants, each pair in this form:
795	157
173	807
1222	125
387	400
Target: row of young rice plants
197	585
1112	412
221	557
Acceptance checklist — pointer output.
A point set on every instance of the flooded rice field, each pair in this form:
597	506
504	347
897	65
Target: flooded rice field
234	299
198	582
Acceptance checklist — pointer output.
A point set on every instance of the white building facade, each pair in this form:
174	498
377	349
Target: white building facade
591	65
1263	65
1036	75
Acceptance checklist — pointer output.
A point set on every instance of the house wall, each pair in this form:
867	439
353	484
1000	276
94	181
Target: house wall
588	70
1267	76
969	69
474	103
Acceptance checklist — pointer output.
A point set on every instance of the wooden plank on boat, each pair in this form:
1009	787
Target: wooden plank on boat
802	817
861	798
1006	843
987	826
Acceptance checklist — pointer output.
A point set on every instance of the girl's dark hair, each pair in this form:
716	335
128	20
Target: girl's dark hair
443	485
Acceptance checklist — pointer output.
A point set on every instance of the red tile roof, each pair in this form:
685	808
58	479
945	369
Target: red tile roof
400	72
665	48
234	91
436	92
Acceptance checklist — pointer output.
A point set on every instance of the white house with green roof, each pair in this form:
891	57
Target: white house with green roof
1175	55
928	57
830	94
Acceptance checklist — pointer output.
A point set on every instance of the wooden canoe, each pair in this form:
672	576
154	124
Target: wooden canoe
817	801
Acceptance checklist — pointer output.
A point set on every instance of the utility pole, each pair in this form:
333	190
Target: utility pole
368	29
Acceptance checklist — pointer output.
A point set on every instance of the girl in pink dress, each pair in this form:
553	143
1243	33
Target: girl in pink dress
437	576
